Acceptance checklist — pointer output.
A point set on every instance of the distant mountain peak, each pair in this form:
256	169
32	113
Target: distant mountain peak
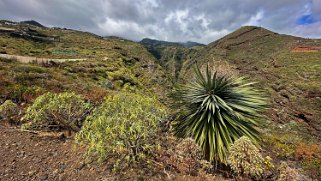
33	23
242	35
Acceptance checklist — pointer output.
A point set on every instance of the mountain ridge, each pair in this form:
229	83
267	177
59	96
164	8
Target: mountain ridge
154	42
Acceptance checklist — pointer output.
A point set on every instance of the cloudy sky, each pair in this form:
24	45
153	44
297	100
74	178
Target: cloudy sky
172	20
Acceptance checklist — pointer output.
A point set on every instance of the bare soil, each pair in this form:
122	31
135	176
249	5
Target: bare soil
306	49
29	156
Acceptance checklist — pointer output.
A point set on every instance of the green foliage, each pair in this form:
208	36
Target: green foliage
124	127
21	93
312	167
65	110
123	78
245	158
8	110
283	141
216	110
30	69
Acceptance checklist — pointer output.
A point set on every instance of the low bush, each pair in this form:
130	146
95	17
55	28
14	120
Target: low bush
121	77
287	173
310	158
188	158
95	95
21	93
63	111
30	68
246	159
305	151
9	111
312	168
124	128
283	144
29	77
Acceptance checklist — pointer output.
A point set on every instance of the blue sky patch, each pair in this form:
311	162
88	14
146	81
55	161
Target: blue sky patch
305	20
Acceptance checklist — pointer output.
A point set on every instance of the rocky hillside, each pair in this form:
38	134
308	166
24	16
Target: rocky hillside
287	67
292	78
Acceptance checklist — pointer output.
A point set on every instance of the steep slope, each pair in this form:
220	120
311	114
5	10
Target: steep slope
171	55
291	77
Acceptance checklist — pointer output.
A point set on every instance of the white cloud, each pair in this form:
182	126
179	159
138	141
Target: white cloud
308	31
316	7
179	20
256	19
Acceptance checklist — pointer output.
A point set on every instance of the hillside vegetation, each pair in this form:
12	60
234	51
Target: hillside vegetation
120	93
288	68
171	55
111	64
291	78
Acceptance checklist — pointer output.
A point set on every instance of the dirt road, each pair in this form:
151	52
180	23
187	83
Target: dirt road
26	59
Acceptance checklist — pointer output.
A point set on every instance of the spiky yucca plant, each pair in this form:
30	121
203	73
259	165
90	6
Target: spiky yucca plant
216	110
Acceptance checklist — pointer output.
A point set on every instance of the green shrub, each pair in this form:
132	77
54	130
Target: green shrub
64	110
9	110
312	167
27	68
245	158
123	76
21	93
215	110
124	127
31	77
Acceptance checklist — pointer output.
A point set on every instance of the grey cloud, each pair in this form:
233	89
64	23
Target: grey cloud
179	20
316	8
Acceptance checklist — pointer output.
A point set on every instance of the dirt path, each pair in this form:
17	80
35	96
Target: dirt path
28	156
26	59
305	49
